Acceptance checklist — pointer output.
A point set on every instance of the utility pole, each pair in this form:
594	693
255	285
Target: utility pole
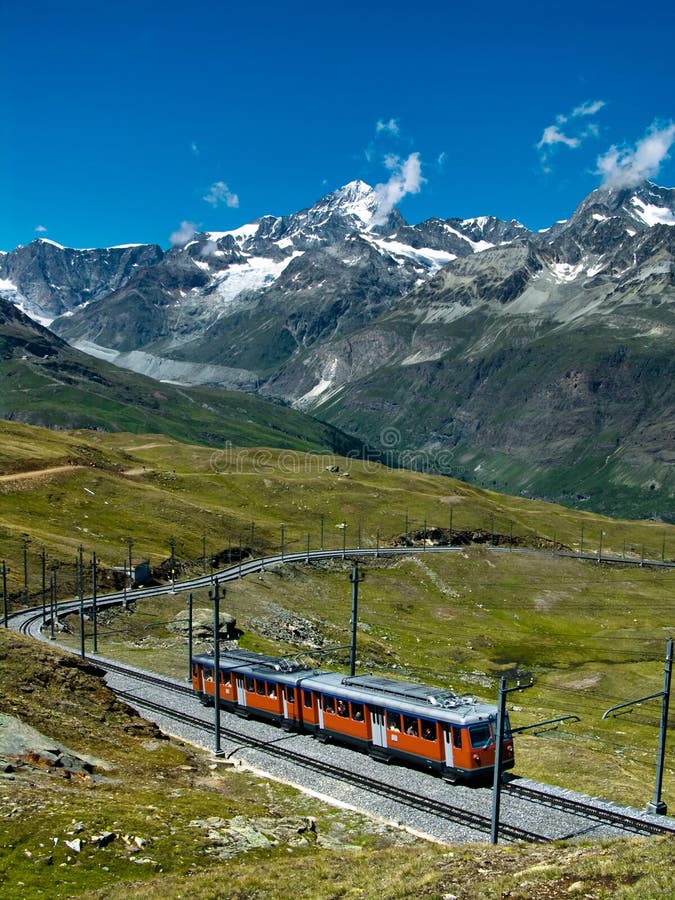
356	578
80	592
43	558
93	601
52	601
283	529
499	741
189	678
321	541
216	668
5	611
25	571
656	805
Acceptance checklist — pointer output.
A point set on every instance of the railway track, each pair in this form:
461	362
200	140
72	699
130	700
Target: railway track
27	621
589	815
599	814
445	811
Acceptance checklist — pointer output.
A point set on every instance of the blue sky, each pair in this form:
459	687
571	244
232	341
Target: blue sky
120	122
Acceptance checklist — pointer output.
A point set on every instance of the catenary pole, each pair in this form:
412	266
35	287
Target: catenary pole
356	578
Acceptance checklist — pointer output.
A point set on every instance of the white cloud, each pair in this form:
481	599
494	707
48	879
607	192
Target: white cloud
406	179
210	248
183	235
553	135
194	149
41	229
623	167
219	193
391	127
589	108
574	134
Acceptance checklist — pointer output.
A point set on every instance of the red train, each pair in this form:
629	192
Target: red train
391	720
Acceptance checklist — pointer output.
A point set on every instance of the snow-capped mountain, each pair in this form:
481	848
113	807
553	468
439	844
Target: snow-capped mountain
217	307
507	350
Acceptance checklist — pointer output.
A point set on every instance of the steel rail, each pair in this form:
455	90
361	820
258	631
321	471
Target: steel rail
445	811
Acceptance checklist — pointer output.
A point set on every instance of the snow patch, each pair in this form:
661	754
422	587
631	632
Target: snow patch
476	246
422	356
53	243
430	259
255	273
653	215
564	272
324	389
239	234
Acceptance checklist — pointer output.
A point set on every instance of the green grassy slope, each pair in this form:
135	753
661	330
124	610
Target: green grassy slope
45	382
168	811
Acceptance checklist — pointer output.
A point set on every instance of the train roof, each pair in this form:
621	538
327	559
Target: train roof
244	658
260	665
406	696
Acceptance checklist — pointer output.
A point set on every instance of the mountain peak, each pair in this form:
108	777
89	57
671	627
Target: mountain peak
356	199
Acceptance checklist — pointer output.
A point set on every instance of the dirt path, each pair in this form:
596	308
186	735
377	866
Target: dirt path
36	473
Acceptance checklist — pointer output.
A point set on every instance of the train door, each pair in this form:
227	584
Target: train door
377	727
447	744
241	690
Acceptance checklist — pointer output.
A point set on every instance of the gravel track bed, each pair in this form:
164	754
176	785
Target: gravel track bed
547	821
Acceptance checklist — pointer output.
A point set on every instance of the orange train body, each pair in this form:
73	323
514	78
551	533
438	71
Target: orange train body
391	720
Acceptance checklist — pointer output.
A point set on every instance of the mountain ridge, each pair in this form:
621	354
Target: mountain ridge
354	316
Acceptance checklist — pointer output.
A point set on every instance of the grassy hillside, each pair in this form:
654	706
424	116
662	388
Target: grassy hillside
174	825
110	489
45	382
592	635
583	417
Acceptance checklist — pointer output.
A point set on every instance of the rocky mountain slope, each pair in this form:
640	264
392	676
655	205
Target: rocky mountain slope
536	362
44	381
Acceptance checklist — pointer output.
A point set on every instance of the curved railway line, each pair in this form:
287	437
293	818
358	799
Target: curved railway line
588	814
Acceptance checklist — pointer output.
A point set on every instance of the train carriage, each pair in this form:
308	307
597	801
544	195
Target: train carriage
253	684
411	722
392	720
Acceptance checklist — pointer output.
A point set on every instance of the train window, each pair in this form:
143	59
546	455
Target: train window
328	705
195	670
457	736
393	721
290	695
260	687
222	677
481	735
271	690
410	726
209	674
343	709
428	730
307	699
357	712
250	684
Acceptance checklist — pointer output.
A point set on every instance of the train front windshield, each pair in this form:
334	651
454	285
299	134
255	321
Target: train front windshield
481	735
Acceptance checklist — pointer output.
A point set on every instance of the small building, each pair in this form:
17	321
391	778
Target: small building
137	571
